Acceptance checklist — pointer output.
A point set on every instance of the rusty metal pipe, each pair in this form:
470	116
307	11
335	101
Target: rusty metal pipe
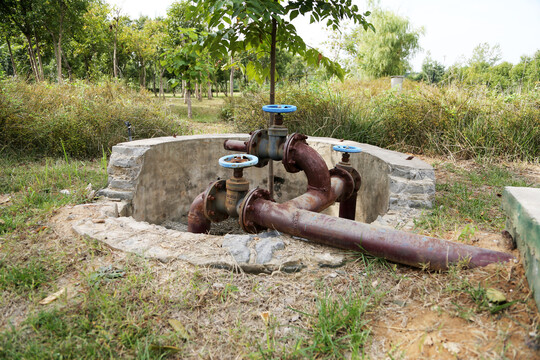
347	207
235	145
311	162
397	246
314	200
197	222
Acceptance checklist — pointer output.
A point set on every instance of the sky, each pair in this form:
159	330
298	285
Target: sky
453	28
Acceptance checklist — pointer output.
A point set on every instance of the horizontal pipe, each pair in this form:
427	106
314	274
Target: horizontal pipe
235	145
397	246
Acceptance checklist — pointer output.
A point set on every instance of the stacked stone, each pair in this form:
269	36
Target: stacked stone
124	168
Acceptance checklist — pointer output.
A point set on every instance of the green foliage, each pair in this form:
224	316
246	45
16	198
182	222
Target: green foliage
386	50
339	326
30	276
462	122
84	118
432	71
247	26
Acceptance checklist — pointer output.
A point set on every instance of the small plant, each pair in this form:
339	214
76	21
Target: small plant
338	326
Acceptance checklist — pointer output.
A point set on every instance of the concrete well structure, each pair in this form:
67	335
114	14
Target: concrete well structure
160	177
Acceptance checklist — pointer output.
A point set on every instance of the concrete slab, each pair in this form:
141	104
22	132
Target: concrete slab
522	207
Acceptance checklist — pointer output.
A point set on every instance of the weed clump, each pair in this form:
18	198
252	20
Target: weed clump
462	122
83	118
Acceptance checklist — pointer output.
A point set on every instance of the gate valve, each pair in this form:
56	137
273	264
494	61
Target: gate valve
347	150
236	186
279	109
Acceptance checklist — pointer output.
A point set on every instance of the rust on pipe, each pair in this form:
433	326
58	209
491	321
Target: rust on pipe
397	246
197	222
347	207
235	145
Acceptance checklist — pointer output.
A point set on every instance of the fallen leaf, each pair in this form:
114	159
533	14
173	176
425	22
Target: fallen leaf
265	315
170	348
49	299
179	328
495	296
452	347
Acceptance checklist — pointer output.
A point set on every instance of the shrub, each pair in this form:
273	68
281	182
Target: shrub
458	121
83	118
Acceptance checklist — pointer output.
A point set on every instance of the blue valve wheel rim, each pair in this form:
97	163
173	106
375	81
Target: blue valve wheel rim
347	148
248	160
278	108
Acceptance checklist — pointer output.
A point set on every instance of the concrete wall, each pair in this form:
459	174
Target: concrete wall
161	176
522	208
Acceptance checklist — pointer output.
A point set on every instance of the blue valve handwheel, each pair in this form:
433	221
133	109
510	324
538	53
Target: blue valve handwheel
279	108
236	161
347	148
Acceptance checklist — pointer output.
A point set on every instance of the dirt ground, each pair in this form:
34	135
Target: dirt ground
414	314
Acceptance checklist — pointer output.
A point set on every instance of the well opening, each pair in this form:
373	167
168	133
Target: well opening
160	177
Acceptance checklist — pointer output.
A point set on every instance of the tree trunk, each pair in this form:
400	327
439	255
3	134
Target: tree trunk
196	90
59	59
32	56
68	67
199	95
40	62
115	60
11	57
188	97
184	91
272	98
231	80
161	93
154	77
144	75
209	84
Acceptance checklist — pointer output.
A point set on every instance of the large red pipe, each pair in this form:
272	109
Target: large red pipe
393	245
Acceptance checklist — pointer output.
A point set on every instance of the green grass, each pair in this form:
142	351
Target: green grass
205	111
118	318
79	118
35	186
470	197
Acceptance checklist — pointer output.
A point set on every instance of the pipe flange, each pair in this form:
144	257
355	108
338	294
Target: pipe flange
354	173
288	149
253	146
255	194
348	178
211	211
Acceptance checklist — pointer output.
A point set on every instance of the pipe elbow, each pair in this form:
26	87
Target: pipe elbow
197	222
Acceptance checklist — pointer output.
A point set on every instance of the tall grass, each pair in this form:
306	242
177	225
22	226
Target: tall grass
83	118
459	121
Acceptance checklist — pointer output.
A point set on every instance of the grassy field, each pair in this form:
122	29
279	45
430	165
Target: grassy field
68	297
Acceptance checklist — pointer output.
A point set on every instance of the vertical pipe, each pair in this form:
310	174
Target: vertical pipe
272	98
347	207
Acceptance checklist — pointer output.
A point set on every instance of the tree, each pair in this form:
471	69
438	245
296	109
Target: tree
59	17
248	25
386	50
23	15
432	71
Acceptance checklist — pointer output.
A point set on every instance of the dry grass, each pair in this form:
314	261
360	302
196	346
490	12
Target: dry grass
405	313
